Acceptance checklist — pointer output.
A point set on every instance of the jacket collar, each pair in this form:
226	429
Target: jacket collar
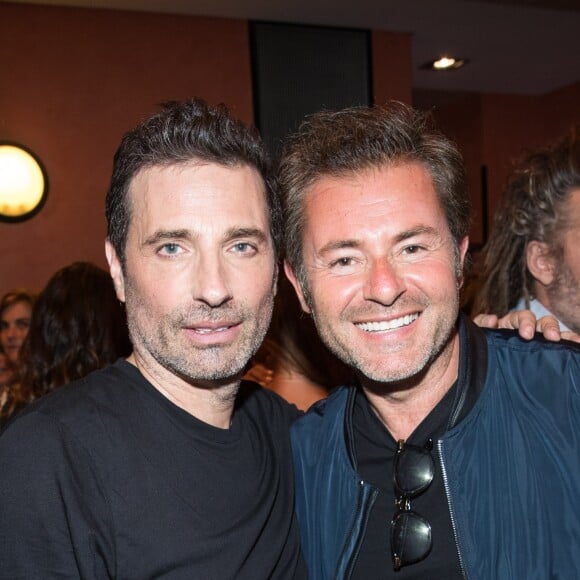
470	379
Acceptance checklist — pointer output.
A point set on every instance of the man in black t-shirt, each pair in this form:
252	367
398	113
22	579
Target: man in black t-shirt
167	465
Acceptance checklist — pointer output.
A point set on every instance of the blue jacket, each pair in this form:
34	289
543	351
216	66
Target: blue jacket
511	465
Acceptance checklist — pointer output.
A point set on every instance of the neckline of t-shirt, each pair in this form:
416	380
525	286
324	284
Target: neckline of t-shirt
185	421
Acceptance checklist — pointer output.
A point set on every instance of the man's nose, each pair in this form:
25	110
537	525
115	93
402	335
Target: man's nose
384	282
211	281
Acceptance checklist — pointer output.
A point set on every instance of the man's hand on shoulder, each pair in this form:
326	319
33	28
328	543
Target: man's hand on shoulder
524	321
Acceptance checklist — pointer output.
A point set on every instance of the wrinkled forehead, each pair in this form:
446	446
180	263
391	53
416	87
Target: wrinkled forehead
353	179
200	196
177	167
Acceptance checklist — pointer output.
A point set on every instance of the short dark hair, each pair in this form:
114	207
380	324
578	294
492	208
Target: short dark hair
533	207
181	132
351	140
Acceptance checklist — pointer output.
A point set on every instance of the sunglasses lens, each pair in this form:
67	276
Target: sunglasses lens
414	470
410	538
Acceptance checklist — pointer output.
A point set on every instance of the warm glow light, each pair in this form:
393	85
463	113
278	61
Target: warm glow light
22	184
444	63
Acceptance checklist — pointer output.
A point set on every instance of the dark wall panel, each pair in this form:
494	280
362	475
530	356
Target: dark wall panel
299	70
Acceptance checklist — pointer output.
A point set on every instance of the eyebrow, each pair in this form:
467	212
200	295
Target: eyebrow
161	235
241	232
401	237
417	231
184	234
338	245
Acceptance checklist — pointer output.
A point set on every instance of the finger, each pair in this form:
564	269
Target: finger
569	335
524	321
549	327
486	320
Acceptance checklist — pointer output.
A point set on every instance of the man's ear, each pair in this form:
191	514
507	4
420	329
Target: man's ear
463	247
116	270
276	274
294	281
540	262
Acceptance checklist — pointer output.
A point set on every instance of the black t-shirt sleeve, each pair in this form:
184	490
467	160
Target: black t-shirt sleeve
53	513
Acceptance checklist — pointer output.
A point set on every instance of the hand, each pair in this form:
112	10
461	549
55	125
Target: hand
524	321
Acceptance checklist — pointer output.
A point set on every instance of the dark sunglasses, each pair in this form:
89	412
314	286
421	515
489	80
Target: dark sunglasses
413	473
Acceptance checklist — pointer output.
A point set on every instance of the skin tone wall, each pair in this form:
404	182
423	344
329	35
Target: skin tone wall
494	130
73	81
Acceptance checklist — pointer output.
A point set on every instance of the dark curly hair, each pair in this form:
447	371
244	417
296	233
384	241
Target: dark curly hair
77	326
533	207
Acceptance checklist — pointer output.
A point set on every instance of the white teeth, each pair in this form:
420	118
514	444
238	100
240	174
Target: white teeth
387	325
208	330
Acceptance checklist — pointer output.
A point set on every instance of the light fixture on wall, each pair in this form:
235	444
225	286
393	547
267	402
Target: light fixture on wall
23	183
445	63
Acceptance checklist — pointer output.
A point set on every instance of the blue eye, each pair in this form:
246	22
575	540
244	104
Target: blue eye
170	249
243	248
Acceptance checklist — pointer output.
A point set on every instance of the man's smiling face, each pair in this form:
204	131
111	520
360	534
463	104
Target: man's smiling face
382	270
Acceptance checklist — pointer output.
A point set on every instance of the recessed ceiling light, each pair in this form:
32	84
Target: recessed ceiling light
445	63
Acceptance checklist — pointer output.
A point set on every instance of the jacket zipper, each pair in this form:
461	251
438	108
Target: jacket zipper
451	512
350	566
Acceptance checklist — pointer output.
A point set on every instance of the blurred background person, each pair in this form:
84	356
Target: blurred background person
15	310
292	360
77	326
6	370
532	258
12	396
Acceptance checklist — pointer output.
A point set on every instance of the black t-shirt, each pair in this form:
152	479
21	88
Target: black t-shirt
375	450
107	478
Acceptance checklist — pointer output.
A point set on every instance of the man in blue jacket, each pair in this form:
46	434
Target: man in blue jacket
457	452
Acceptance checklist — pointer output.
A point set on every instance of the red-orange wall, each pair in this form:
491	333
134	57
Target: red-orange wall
494	130
462	123
72	81
391	66
512	124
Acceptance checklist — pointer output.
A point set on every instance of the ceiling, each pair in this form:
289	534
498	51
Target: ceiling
528	47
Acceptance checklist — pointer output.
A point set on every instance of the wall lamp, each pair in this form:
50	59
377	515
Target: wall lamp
23	183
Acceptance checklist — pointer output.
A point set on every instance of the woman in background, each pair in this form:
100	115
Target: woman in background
77	326
15	310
